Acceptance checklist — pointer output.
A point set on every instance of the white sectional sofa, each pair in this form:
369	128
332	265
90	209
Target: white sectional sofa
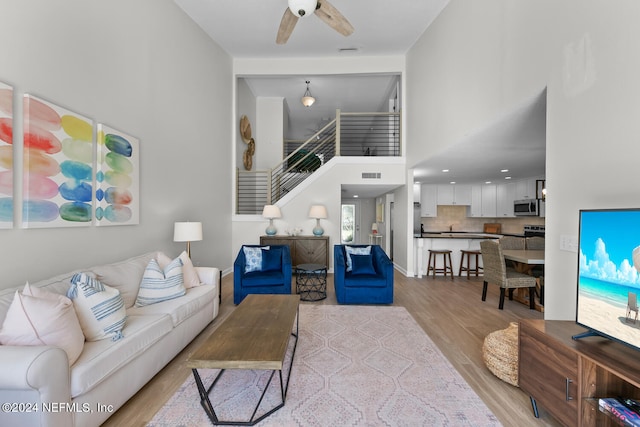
107	373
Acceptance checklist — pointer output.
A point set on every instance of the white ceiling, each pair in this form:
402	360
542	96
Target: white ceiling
247	29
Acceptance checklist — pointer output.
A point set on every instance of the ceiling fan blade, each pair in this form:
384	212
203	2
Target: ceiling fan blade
330	15
287	24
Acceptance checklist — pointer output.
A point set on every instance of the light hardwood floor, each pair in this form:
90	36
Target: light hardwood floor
450	312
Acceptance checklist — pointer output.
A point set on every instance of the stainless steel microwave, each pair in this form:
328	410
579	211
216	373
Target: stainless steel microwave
527	207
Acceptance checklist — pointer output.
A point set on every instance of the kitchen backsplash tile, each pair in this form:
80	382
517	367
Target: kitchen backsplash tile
456	217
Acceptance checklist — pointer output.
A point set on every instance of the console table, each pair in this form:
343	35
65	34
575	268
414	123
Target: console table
304	249
567	376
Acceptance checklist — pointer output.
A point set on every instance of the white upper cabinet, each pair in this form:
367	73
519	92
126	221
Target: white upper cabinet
505	195
525	189
483	201
454	194
428	200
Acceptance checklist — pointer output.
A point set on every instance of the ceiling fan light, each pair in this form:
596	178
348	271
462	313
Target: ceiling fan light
307	98
302	8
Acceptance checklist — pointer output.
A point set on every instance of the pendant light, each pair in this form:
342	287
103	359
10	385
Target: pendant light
307	98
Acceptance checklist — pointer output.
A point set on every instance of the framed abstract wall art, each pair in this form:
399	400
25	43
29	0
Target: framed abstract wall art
6	156
117	178
58	166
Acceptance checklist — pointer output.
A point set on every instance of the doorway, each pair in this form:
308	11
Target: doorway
349	227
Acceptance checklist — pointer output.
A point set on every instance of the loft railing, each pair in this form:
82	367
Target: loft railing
349	134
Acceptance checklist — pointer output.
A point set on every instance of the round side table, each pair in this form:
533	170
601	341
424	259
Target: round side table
311	281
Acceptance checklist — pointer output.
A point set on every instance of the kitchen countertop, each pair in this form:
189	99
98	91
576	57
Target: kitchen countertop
459	235
462	235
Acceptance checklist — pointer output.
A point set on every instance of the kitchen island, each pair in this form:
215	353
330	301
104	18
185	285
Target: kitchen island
454	241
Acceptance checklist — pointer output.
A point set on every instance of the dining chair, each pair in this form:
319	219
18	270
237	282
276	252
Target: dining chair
512	242
497	272
534	243
632	305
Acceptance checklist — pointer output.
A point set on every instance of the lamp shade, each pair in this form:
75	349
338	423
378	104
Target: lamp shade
271	211
318	211
187	231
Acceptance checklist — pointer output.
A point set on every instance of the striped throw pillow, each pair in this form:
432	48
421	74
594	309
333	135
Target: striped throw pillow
100	308
160	285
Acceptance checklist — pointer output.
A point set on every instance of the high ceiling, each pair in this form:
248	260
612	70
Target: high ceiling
248	28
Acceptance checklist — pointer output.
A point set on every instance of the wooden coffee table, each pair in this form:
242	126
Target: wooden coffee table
255	336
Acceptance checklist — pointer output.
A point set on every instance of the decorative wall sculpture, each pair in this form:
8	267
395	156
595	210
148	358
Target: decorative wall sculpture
58	166
117	178
6	156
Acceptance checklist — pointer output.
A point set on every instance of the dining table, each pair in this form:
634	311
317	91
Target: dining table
524	261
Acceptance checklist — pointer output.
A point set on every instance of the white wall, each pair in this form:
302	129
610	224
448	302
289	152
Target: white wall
269	132
143	67
479	59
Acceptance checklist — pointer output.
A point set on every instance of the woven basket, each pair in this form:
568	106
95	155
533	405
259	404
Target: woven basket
500	353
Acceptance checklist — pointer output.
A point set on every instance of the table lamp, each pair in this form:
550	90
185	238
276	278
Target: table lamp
318	212
271	212
187	232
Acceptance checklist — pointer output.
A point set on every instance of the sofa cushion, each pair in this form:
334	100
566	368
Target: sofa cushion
99	307
272	259
263	278
161	284
39	317
189	273
125	276
100	359
362	264
181	308
366	250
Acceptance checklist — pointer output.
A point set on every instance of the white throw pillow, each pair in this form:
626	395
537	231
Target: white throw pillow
39	317
189	273
253	258
160	284
100	308
355	251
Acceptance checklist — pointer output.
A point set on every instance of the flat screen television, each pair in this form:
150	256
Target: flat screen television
608	279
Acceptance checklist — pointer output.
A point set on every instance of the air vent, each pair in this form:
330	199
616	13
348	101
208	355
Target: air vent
371	175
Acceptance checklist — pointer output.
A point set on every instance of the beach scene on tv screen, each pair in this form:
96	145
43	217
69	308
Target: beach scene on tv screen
609	283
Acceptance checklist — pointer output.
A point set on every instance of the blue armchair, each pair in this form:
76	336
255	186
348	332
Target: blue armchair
370	279
260	271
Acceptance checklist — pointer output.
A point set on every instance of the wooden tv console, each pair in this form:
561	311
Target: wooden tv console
566	376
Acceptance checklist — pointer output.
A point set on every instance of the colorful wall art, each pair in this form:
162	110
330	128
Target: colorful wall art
117	178
58	166
6	156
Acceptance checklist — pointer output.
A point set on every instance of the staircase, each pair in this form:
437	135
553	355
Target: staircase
349	134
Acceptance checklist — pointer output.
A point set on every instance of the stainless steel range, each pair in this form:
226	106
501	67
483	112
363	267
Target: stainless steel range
533	230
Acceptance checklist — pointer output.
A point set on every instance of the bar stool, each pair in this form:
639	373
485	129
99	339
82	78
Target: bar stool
446	262
466	258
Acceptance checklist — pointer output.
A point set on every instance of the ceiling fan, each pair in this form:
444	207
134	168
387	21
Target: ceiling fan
323	10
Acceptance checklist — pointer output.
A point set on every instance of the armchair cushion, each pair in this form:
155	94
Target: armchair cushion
271	259
362	264
355	250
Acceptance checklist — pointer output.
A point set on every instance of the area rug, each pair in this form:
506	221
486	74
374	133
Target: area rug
353	366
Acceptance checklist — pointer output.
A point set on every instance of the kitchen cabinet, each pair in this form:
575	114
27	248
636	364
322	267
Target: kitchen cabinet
428	200
489	201
525	189
483	201
454	194
304	249
566	376
505	195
